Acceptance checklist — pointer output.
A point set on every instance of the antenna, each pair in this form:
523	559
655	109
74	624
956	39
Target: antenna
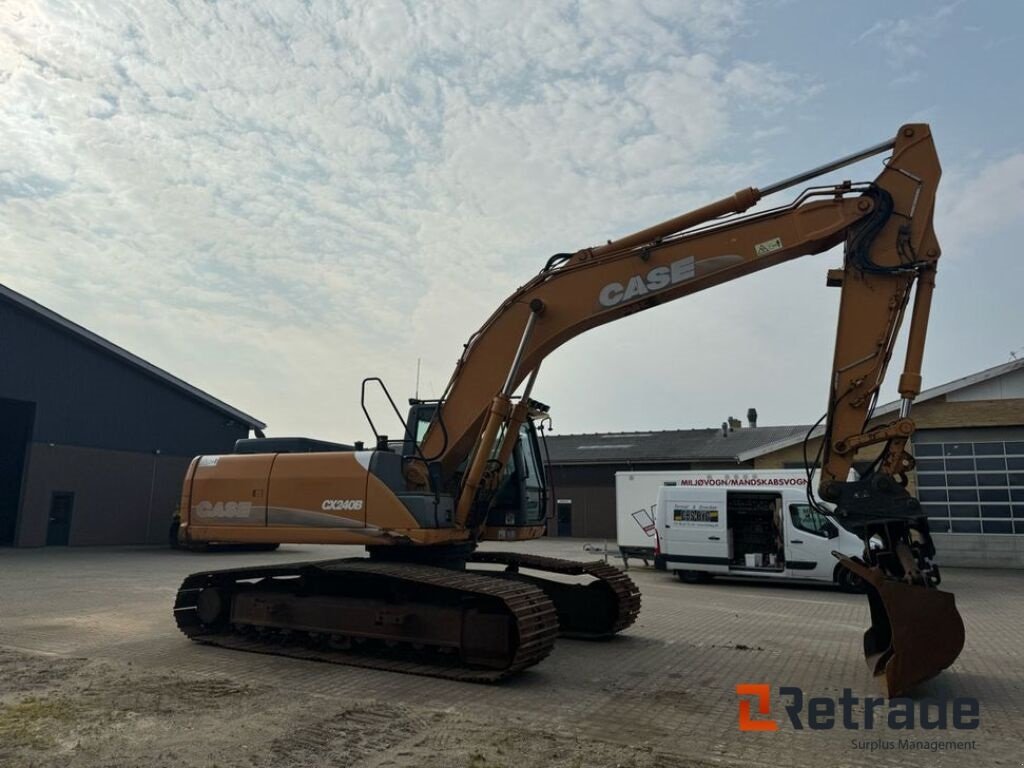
417	395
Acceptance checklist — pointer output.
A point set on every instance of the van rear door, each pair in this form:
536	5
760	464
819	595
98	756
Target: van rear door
693	527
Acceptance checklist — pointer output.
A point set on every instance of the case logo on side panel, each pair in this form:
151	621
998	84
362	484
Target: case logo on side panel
224	509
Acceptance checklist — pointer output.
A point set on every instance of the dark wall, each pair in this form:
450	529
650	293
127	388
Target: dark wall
115	436
120	497
15	431
591	488
87	397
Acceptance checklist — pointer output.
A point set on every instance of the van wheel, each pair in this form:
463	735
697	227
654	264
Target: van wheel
848	581
693	577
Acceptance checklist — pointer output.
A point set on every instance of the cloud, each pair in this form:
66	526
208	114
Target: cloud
905	39
988	202
274	200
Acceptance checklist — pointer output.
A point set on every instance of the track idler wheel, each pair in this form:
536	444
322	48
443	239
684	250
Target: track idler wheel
212	607
916	631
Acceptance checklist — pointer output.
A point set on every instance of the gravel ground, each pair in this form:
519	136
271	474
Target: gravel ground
94	674
79	713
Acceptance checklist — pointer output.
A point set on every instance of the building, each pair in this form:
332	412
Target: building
95	440
969	447
582	467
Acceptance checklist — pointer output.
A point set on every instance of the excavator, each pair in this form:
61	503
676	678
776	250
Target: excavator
427	600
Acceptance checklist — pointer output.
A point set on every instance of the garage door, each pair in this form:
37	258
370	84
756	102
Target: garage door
971	486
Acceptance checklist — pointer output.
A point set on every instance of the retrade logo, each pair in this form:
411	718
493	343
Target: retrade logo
853	713
761	693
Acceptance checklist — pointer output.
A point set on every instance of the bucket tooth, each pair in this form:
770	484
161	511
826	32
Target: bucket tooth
916	631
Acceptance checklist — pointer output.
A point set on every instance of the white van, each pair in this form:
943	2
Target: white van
755	524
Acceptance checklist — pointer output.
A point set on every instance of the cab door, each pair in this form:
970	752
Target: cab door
521	498
810	539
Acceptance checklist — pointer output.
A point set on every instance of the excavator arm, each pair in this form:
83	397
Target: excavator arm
890	247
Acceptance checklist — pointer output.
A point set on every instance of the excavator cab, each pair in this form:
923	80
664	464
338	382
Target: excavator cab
521	498
514	502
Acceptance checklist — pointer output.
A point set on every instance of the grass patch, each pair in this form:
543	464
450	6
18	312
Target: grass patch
31	722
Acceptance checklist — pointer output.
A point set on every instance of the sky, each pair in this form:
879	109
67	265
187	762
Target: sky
273	200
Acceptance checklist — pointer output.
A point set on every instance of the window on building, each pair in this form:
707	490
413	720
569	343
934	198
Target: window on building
972	487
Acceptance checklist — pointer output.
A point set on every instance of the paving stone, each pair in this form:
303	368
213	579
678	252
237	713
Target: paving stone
667	683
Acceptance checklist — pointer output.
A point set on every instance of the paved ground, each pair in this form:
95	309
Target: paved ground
86	629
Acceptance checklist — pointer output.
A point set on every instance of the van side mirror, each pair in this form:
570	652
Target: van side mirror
831	531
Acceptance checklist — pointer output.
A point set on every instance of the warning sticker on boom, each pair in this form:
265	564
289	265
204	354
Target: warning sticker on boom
763	249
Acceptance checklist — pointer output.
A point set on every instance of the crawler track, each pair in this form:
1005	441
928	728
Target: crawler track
597	610
367	613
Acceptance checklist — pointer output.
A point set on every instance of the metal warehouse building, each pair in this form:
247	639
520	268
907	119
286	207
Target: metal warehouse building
95	441
969	447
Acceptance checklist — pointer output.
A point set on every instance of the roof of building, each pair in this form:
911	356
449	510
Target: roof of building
667	445
98	341
893	407
741	445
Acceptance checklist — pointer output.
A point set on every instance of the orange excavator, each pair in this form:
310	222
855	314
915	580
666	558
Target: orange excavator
426	600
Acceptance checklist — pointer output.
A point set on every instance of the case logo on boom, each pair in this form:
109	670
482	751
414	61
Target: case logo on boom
348	505
657	279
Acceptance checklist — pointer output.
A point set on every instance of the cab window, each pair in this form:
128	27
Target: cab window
531	461
811	521
422	425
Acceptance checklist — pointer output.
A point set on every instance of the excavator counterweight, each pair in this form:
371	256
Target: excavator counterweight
467	467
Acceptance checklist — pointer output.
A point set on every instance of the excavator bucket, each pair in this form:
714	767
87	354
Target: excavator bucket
916	631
